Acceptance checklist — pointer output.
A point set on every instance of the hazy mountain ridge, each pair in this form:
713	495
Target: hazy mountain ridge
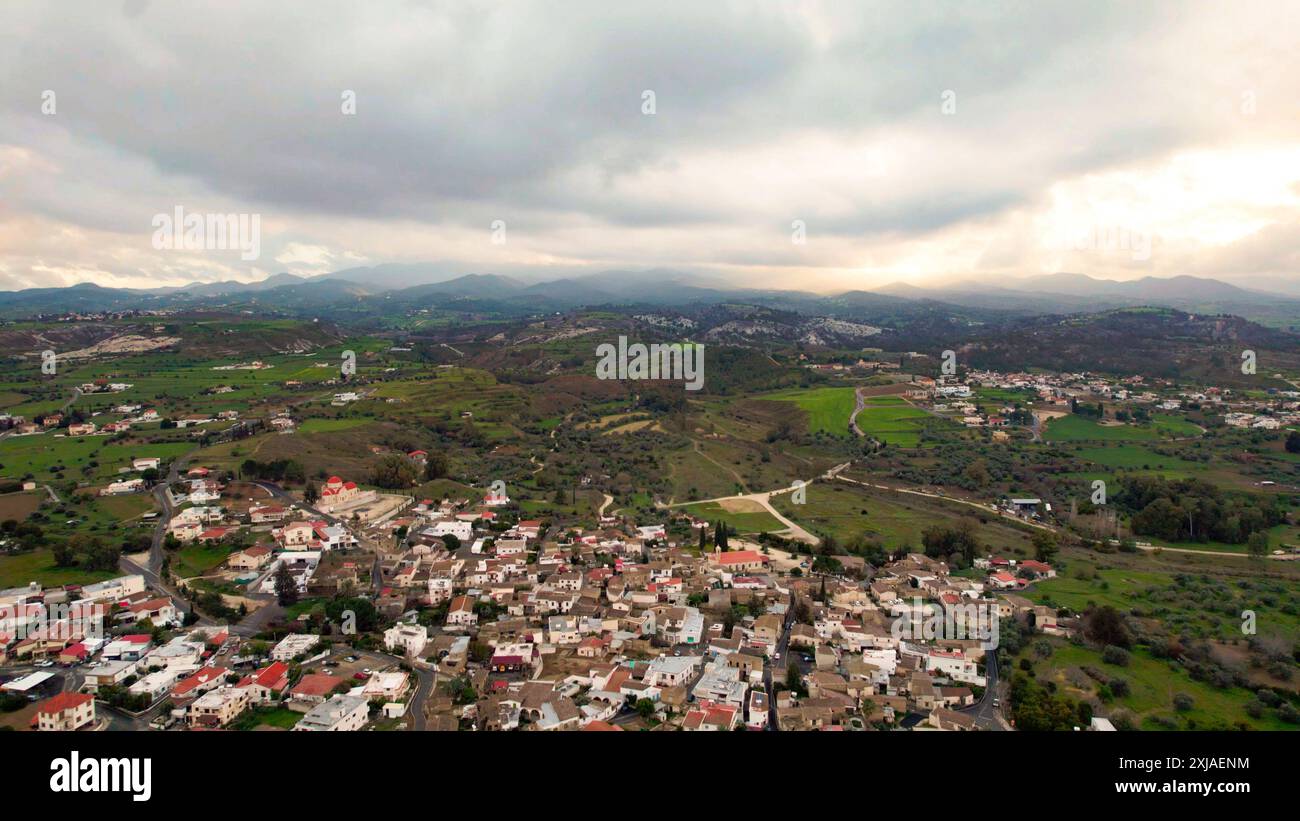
385	289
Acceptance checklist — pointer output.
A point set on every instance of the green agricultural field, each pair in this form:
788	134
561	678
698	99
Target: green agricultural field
38	566
1075	428
1005	396
694	475
742	521
1079	429
1118	588
828	409
891	420
93	458
1134	457
1175	426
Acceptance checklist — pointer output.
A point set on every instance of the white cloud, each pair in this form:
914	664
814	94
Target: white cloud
827	112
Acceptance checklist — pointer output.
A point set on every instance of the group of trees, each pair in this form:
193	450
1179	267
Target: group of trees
1037	708
28	535
87	552
279	470
1078	408
948	543
396	471
1293	442
1193	510
1105	626
958	545
721	531
286	587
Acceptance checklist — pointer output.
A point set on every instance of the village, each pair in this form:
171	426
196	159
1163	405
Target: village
458	614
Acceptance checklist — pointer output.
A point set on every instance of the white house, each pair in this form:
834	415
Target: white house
410	639
293	644
342	713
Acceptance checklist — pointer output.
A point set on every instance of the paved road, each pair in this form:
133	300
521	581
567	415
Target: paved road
861	403
769	669
426	681
152	570
988	717
280	494
156	554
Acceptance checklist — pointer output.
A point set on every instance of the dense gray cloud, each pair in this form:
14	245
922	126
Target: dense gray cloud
531	113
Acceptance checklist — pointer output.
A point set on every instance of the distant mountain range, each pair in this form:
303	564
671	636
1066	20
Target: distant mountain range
1070	293
387	288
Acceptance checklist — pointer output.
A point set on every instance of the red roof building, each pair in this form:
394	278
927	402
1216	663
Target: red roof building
65	711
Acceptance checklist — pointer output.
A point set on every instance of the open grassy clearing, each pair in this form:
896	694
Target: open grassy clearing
38	566
1213	612
90	458
848	511
1134	456
693	476
828	409
126	506
197	559
1073	428
892	421
746	517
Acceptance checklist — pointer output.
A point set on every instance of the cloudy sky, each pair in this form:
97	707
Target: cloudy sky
810	145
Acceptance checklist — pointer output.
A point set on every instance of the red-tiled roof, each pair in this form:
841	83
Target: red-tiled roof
63	701
203	676
315	684
602	727
740	557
